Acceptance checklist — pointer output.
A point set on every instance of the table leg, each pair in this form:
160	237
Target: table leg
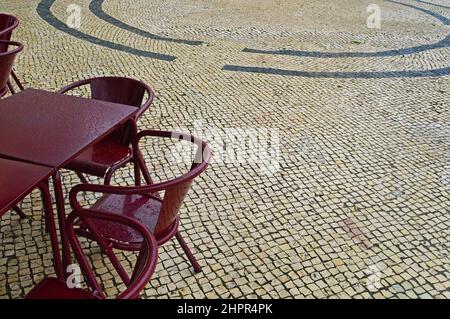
57	184
16	79
50	227
10	87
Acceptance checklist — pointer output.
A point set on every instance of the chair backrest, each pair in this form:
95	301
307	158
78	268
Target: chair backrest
146	261
120	90
7	57
8	23
173	199
175	190
113	89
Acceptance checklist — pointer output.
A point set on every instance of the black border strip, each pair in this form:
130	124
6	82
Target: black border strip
96	7
342	75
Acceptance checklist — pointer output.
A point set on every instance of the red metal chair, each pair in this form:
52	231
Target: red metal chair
114	152
8	23
7	57
144	203
52	288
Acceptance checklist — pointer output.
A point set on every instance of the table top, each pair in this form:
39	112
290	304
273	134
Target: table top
18	179
51	129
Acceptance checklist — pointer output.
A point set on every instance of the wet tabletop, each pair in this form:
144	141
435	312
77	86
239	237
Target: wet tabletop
17	179
51	129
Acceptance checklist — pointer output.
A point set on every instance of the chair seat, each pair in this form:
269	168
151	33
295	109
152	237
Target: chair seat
143	208
97	159
52	288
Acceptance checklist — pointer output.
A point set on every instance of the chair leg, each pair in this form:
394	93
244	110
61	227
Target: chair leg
137	174
10	87
20	212
82	178
108	176
141	163
188	252
16	79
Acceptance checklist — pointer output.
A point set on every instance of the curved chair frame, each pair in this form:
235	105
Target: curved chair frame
146	87
145	264
5	34
144	268
11	54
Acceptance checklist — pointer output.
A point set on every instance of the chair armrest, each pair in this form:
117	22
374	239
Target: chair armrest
148	102
108	189
11	28
73	86
200	162
203	148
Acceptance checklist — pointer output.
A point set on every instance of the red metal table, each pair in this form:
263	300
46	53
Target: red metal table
52	129
17	180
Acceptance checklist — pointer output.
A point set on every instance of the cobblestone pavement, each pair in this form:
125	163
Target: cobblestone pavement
359	205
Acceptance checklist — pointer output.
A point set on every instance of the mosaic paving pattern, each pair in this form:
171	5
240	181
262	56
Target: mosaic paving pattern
360	205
